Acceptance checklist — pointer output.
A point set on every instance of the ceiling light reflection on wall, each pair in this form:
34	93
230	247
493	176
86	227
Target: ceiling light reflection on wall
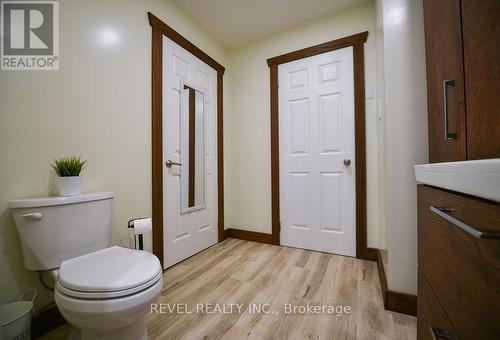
108	37
397	15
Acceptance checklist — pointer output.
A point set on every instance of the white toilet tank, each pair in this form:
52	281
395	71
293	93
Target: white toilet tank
55	229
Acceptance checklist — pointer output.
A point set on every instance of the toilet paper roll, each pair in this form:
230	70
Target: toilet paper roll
142	226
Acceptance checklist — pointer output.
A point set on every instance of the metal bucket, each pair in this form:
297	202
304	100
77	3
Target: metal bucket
15	317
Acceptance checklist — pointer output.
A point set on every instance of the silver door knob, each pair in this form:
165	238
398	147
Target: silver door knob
169	163
347	162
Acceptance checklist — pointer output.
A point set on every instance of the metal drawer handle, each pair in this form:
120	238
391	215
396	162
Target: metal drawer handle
446	84
479	233
440	334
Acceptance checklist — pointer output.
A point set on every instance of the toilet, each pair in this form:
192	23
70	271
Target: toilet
104	292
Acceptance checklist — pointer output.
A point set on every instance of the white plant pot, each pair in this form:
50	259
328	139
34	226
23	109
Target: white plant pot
70	186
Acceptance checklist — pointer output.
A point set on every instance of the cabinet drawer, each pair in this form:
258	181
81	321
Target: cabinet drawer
432	320
463	270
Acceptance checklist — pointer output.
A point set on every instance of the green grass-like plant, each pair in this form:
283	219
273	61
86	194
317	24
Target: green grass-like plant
68	166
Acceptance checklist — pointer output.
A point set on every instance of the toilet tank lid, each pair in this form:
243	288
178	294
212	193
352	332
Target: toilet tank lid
59	200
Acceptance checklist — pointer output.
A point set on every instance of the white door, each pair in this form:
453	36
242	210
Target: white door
188	230
316	122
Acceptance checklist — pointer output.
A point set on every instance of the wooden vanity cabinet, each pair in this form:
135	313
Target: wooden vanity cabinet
458	266
462	41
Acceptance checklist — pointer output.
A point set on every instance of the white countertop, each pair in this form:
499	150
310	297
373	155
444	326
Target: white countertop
479	178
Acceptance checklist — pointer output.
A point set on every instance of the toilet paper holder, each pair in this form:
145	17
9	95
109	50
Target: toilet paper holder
140	237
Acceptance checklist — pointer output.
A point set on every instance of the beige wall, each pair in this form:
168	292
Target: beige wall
248	202
97	105
406	134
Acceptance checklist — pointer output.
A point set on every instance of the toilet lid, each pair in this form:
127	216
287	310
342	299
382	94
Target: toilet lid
109	270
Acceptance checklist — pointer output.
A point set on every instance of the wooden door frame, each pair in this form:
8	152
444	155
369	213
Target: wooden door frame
159	29
356	41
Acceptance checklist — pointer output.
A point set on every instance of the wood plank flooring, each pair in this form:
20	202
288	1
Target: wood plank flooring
247	273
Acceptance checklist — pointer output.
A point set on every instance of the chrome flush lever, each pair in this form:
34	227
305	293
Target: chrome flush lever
169	163
36	216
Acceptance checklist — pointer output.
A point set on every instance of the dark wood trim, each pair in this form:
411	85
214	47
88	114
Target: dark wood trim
157	142
371	254
249	235
159	28
401	302
47	320
395	301
356	41
173	35
360	150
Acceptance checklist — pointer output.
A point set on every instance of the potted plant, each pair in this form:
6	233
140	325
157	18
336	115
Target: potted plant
68	170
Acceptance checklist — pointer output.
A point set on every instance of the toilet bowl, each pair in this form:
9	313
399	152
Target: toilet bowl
106	294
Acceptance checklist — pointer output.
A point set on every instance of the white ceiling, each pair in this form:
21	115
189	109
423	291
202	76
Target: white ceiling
236	22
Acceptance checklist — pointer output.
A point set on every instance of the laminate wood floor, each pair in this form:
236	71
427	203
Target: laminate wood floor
244	274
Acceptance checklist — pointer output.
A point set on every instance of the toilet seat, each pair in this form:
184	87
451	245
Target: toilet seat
109	273
106	295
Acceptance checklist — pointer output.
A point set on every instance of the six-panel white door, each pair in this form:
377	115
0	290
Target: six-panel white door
316	123
185	234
